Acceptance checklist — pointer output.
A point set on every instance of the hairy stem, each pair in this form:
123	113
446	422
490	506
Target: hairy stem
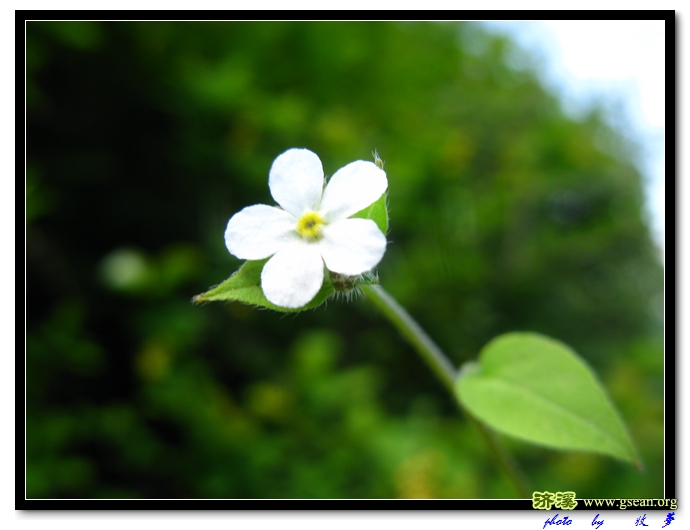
446	372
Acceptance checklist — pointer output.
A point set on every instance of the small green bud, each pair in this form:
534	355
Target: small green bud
377	159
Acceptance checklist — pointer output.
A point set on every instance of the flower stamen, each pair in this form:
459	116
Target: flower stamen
309	226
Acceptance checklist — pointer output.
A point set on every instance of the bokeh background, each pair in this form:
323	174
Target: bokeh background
506	214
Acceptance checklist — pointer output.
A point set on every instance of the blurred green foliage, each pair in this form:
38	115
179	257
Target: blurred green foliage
144	138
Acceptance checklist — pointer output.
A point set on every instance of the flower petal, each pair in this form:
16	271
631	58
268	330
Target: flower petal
294	275
259	231
296	181
352	246
351	189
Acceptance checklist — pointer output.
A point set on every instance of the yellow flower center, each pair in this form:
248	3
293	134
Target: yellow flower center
309	226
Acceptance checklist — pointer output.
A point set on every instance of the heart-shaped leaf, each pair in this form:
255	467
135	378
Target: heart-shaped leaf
538	389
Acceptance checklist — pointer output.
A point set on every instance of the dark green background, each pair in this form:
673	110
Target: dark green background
505	215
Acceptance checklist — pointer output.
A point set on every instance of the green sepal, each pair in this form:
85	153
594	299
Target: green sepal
245	286
377	212
537	389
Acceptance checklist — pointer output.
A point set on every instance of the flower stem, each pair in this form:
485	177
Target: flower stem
503	459
446	372
426	347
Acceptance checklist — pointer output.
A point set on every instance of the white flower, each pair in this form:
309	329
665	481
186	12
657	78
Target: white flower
312	228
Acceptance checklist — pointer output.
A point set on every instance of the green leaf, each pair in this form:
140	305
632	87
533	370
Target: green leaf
377	212
538	389
245	286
